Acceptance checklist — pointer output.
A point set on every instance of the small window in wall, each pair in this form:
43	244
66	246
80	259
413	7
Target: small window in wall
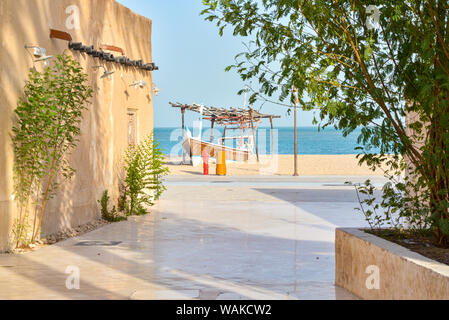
132	128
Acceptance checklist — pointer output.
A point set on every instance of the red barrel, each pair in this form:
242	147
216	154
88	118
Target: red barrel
206	163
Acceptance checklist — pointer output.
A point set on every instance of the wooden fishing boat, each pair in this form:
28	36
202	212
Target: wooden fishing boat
196	147
232	120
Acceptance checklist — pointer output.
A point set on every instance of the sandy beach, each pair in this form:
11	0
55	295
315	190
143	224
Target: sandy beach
283	165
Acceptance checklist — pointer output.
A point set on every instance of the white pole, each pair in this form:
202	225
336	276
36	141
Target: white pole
201	123
246	94
296	174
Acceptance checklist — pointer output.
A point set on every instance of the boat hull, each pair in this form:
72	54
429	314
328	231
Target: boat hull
196	148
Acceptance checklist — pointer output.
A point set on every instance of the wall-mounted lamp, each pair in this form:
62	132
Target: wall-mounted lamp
44	58
40	53
140	83
106	74
156	90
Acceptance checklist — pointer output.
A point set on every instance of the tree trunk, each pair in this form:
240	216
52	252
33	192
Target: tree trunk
44	204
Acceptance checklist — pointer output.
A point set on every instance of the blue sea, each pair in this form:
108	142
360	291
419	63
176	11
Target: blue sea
311	141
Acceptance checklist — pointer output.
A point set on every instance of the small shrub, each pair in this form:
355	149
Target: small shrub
144	166
121	202
111	216
140	210
21	230
395	209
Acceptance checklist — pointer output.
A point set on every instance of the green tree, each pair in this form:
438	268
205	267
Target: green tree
47	130
360	71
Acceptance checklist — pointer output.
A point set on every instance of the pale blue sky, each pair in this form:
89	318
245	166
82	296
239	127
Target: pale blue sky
192	58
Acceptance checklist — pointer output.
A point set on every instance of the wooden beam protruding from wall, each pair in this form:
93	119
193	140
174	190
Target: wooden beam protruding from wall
112	48
62	35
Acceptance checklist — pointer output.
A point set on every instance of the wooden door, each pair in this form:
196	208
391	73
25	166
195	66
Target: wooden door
132	128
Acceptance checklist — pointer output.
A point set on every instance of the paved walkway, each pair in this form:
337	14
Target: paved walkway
209	238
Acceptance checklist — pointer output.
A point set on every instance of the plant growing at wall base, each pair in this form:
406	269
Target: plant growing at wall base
47	130
144	166
106	214
121	201
20	231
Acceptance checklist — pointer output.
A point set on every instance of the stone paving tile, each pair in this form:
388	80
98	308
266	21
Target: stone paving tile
201	242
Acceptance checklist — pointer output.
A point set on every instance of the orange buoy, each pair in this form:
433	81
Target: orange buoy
221	163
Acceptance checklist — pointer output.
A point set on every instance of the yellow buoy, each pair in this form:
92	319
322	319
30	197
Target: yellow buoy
221	163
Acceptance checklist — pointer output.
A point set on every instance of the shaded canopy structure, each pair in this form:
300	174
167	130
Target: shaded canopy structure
231	119
222	116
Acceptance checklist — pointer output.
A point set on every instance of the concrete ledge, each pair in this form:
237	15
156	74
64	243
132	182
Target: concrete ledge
402	274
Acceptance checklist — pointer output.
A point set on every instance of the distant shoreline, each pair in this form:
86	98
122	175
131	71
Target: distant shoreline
291	155
311	141
338	165
264	127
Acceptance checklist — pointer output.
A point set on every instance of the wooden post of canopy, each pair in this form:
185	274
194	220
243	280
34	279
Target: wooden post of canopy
212	130
243	132
224	134
183	111
248	127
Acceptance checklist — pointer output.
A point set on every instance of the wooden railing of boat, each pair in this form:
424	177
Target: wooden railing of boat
197	147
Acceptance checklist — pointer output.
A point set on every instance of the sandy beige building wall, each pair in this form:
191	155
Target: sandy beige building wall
97	159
